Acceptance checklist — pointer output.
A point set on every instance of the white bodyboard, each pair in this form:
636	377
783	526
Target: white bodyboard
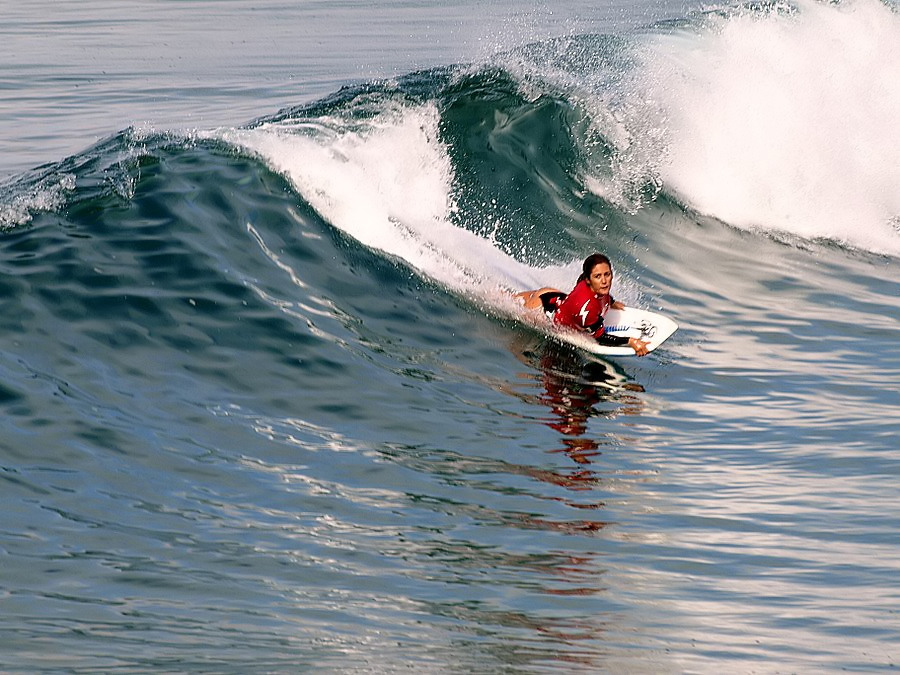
628	322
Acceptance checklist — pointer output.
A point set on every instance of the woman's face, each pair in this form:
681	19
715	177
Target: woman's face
600	279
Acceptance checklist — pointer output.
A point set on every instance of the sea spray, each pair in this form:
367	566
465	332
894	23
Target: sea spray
22	201
387	182
782	119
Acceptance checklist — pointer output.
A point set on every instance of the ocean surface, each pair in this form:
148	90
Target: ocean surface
267	404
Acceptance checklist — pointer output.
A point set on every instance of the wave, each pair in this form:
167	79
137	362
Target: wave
774	118
777	118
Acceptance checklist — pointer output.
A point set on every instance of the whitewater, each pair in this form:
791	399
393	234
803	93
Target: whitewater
756	118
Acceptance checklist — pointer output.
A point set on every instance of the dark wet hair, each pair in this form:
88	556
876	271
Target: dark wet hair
591	262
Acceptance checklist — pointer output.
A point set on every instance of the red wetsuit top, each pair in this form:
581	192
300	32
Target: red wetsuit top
583	310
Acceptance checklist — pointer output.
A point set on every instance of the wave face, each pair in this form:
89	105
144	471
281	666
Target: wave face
267	401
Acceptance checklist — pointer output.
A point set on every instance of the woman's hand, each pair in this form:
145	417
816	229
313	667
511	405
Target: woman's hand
617	305
639	346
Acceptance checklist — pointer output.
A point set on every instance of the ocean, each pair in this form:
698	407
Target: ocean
267	403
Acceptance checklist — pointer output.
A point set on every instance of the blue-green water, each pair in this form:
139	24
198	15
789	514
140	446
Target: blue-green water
267	410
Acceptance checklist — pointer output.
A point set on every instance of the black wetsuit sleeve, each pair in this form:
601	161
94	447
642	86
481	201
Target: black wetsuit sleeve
608	340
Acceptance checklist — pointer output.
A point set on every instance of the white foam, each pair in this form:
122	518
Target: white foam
48	195
387	182
784	120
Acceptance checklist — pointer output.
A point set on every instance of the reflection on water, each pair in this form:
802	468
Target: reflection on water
576	389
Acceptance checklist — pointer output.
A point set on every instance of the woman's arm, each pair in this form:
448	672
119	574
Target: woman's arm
607	340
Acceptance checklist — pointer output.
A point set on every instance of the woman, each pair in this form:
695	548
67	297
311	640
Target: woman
584	308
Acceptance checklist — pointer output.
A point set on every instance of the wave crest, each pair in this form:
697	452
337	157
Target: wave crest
780	120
